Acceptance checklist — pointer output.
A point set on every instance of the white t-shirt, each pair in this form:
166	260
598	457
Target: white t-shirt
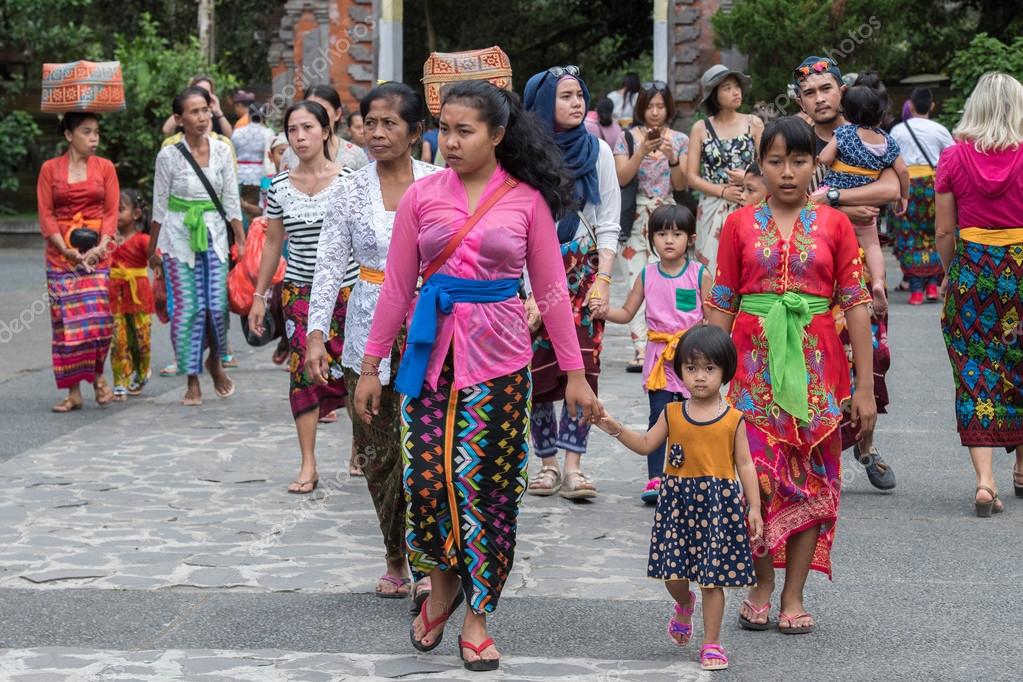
624	106
933	136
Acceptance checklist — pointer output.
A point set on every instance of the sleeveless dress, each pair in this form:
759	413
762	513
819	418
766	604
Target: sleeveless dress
699	532
672	305
718	155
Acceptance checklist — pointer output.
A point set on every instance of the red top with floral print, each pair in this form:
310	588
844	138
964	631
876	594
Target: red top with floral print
820	258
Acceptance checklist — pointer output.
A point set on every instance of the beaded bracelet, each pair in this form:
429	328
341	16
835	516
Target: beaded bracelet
604	277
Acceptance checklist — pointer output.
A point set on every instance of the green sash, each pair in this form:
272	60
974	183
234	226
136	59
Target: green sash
785	318
194	220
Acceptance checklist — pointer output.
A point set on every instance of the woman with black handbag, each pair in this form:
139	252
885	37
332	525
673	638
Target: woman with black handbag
79	199
195	196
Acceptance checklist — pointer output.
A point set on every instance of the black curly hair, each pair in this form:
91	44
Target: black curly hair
527	151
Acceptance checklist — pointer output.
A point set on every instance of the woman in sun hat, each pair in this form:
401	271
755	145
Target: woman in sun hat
726	141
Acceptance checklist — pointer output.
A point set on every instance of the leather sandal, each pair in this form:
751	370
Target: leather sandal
66	405
546	483
1017	482
577	486
992	506
104	394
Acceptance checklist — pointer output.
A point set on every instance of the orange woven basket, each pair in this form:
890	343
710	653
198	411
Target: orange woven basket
491	64
97	87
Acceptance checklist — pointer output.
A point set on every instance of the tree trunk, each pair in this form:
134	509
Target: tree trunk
206	30
431	35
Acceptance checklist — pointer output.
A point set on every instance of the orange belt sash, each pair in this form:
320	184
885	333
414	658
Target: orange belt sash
78	222
840	167
994	236
370	275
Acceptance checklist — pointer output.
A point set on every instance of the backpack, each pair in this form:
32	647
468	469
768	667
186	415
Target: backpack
628	216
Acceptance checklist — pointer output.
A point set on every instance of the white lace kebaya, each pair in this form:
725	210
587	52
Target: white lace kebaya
357	225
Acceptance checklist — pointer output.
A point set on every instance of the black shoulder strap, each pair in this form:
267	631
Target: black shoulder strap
714	136
918	145
183	148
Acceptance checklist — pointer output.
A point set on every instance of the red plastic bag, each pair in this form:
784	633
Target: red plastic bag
241	281
160	298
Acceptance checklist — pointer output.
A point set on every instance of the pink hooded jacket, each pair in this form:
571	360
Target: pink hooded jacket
988	187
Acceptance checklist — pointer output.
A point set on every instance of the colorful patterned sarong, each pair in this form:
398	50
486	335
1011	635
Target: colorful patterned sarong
914	236
799	490
82	325
465	455
130	352
981	323
305	394
199	317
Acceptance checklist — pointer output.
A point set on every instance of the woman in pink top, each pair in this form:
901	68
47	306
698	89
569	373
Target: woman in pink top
980	179
465	381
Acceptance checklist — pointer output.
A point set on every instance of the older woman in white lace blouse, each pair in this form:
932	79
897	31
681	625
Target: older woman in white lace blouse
359	225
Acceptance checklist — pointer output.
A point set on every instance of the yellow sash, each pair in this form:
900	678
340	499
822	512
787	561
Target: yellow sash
370	275
130	275
658	378
920	170
995	236
840	167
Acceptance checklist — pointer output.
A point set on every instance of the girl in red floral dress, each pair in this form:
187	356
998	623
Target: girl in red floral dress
781	265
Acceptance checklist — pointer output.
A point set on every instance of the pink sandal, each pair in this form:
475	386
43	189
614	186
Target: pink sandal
790	627
678	631
747	624
713	657
400	584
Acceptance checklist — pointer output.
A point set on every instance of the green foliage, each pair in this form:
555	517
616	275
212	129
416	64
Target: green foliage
983	54
605	38
897	38
18	131
154	71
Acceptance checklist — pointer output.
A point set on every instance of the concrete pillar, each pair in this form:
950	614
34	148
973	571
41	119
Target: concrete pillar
661	40
389	58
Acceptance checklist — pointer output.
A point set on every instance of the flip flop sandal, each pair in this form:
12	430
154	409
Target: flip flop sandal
747	624
329	418
229	361
169	371
577	486
481	664
1017	482
546	483
315	483
224	394
879	473
713	657
678	631
66	405
791	629
992	506
420	593
431	625
635	366
398	584
191	402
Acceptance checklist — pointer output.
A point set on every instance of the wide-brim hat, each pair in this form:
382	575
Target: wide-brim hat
713	76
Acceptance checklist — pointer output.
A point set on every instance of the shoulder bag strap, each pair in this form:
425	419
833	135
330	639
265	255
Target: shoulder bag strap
183	148
714	137
467	227
918	145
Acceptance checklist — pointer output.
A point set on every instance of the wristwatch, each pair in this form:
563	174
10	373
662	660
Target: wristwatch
833	196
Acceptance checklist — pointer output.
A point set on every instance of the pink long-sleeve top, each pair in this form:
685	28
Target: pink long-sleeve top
490	339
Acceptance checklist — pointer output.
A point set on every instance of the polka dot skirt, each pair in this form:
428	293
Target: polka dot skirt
699	533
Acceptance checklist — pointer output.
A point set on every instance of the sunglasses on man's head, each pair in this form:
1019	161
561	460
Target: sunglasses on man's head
559	71
817	67
655	85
